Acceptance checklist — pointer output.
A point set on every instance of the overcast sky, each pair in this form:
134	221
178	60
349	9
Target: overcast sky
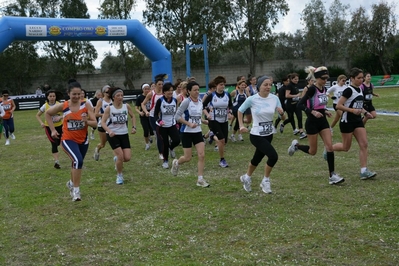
289	23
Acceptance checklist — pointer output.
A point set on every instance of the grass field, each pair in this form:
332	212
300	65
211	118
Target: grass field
158	219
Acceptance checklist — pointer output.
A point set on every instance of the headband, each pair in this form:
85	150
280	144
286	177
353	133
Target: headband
320	73
116	91
145	85
260	81
105	88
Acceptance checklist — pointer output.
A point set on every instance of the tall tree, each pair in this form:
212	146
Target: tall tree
325	32
289	46
121	9
71	56
251	23
182	22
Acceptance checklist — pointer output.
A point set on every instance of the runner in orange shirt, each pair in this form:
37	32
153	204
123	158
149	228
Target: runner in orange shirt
8	119
77	116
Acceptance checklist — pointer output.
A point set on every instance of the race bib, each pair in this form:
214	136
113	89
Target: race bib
119	119
220	112
195	119
265	128
368	97
323	99
73	125
358	105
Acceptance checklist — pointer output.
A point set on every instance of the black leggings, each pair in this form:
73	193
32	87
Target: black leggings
263	148
291	110
54	142
145	123
173	134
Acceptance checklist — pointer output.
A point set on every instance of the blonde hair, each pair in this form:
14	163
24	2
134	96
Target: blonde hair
341	77
311	70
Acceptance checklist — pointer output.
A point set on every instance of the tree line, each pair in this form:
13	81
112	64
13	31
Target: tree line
238	32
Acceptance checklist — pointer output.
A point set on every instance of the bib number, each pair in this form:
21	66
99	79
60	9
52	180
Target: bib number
119	118
358	105
75	125
195	119
265	128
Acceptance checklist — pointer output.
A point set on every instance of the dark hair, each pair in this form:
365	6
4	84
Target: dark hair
57	95
211	85
166	87
239	78
219	79
354	72
74	84
5	92
293	75
71	81
112	90
284	79
191	84
159	77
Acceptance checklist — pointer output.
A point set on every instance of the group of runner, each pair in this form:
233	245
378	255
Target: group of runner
174	113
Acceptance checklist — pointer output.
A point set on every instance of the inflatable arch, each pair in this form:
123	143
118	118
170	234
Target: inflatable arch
53	29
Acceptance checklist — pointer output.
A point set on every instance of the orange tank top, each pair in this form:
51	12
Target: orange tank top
73	126
7	106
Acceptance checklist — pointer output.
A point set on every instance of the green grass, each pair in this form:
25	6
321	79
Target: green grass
158	219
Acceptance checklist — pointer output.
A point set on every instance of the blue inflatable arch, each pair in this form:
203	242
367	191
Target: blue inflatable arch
53	29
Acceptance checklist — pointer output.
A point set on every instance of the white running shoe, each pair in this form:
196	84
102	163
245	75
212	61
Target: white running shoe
202	183
7	142
172	153
76	196
293	148
296	131
96	155
246	180
335	179
216	148
303	135
240	137
147	146
165	165
160	156
233	138
12	136
69	185
175	167
265	185
119	179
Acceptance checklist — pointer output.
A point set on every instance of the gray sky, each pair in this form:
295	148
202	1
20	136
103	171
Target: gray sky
290	23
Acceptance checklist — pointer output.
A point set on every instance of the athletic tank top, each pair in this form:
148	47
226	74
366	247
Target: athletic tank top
7	106
56	117
168	111
192	114
219	107
319	99
104	104
154	100
73	127
117	121
239	99
355	101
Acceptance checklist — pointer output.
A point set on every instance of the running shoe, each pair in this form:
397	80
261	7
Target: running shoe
265	185
233	138
240	137
76	196
202	183
303	135
296	131
216	148
335	179
281	128
57	166
175	167
119	179
69	185
12	136
160	156
367	174
293	148
172	153
246	180
223	163
92	136
147	146
165	165
96	155
7	142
